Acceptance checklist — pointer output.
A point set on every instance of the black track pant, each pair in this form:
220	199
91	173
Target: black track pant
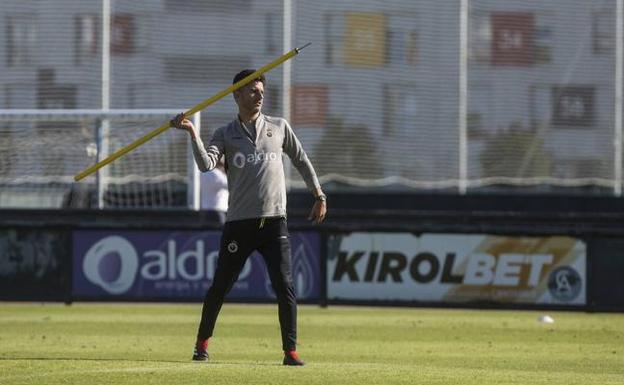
238	241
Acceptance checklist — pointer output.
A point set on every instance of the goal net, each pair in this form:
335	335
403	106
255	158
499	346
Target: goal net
44	150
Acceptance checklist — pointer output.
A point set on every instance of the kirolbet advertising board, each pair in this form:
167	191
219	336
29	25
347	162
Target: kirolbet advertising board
457	268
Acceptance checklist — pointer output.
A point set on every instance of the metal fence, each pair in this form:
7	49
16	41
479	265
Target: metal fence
465	95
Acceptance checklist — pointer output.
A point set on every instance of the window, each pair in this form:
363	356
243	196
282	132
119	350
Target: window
52	95
127	35
86	37
365	39
480	119
480	37
272	33
402	41
573	106
510	38
543	39
21	32
370	39
402	109
123	32
562	106
310	104
603	32
334	30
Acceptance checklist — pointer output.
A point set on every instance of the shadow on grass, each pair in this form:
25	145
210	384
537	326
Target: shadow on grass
212	362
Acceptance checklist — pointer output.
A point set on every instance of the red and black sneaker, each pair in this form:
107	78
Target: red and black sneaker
200	353
291	358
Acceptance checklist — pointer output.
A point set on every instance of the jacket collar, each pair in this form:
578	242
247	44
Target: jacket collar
259	126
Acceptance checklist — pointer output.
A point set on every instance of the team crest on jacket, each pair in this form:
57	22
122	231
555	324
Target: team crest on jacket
269	133
232	247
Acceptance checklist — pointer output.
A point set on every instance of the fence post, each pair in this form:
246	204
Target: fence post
463	97
619	74
287	75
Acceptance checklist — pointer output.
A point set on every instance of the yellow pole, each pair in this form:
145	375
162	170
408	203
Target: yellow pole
119	153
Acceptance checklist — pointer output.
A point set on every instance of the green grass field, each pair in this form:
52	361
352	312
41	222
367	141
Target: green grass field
152	344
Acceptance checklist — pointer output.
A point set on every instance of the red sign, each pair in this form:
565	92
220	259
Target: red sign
309	104
512	38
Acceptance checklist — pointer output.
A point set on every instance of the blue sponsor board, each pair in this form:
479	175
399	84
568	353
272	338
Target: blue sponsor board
181	264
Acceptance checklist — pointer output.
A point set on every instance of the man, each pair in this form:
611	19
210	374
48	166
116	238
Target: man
253	145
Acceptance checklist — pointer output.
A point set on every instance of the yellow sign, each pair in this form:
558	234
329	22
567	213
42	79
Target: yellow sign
365	39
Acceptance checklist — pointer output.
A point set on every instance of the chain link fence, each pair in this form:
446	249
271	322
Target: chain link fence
464	96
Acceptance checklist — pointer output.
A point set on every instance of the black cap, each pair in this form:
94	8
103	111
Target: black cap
244	73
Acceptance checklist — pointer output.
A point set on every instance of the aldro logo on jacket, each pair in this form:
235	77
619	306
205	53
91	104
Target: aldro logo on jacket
240	160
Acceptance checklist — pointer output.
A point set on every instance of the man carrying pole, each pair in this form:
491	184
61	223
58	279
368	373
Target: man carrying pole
253	145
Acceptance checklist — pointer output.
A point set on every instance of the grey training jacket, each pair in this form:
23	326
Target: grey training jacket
255	170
